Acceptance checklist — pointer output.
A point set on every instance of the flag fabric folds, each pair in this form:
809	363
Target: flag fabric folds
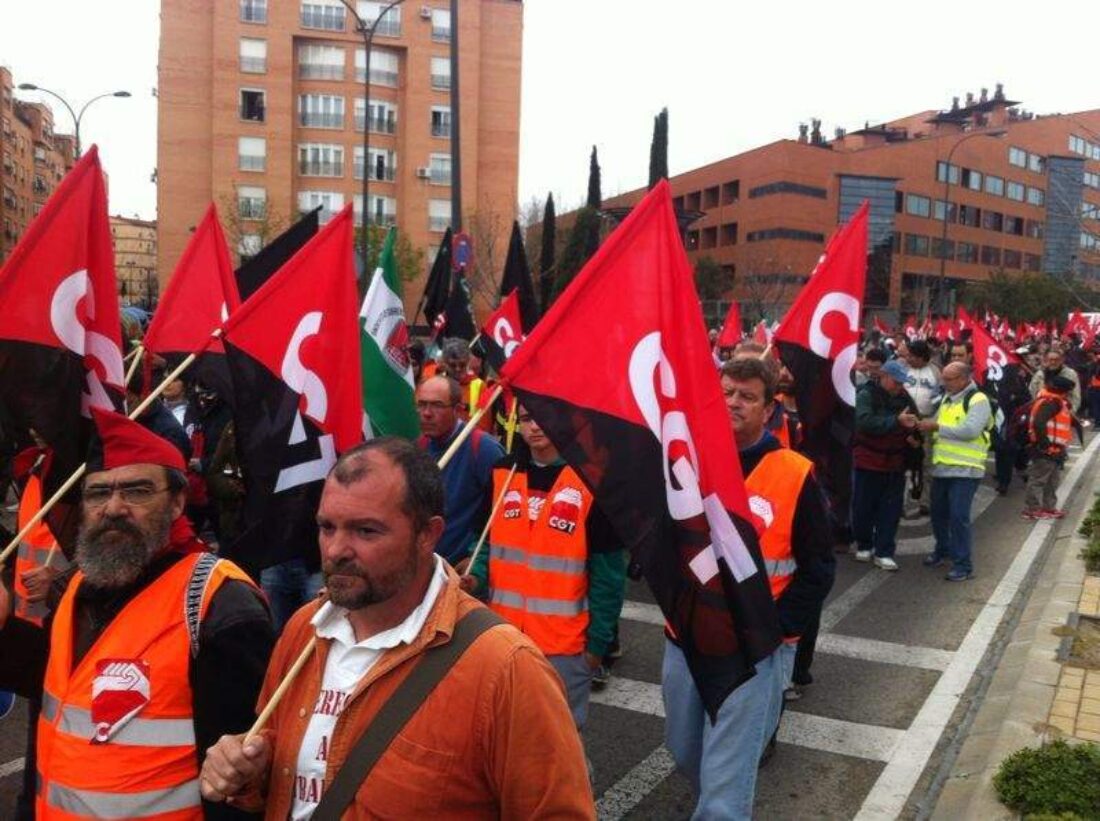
991	359
438	286
731	332
817	342
293	351
502	332
60	346
644	424
273	256
388	387
517	279
458	315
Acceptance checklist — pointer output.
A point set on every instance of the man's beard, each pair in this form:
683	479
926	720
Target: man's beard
370	590
113	553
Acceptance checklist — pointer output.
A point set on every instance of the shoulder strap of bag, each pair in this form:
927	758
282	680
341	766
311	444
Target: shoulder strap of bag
396	712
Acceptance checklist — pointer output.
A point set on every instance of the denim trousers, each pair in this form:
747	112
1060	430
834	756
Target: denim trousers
951	501
721	759
289	586
576	675
877	501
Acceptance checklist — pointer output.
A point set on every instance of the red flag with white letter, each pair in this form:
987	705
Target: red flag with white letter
293	352
503	331
817	342
990	357
639	414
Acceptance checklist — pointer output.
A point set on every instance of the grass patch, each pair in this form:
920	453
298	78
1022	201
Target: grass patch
1055	781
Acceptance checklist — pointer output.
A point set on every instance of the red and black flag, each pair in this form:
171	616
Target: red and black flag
273	256
502	332
991	359
732	331
621	381
200	296
438	286
293	351
817	342
517	279
60	347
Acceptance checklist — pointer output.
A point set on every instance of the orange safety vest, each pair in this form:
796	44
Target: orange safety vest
1095	381
538	569
33	551
1059	427
773	488
145	767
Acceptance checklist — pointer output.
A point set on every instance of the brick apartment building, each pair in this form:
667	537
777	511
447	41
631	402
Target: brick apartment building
32	161
1020	193
135	243
261	108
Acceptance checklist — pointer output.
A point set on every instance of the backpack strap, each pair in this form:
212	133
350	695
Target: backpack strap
434	665
196	592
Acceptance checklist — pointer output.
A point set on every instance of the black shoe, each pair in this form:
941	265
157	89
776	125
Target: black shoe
600	678
1001	490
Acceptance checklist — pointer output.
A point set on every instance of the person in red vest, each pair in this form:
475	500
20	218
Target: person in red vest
553	565
155	650
1050	429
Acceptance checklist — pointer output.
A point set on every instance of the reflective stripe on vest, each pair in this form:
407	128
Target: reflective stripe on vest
969	453
115	805
774	487
137	732
538	570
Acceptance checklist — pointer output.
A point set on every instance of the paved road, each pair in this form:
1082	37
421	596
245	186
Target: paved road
894	672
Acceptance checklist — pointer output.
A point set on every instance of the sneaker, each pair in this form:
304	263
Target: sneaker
909	515
614	652
957	575
932	560
1053	513
1032	514
600	678
886	563
864	555
792	693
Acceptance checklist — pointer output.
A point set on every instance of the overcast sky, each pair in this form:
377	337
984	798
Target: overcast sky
734	75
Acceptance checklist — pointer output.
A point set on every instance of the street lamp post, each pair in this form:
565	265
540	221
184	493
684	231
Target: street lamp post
76	115
367	30
941	284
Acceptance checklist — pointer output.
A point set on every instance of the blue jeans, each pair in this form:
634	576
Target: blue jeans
877	501
951	500
288	586
721	759
576	675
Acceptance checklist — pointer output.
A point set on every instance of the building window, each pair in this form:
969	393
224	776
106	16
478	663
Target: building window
1032	262
917	205
253	56
1012	259
251	153
441	72
993	221
1035	196
728	235
440	169
1076	145
251	202
1017	157
441	25
1035	163
783	187
252	107
383	210
967	252
329	201
784	233
1092	180
710	197
731	192
383	67
1014	191
388	26
972	179
939	208
253	11
317	62
942	249
439	215
994	185
991	255
916	245
381	118
1014	226
945	173
969	215
320	111
323	14
320	160
441	121
1033	229
383	164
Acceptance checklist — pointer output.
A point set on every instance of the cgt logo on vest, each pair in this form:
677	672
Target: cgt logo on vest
119	692
513	504
565	509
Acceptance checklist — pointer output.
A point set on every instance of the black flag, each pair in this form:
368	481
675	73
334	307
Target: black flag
517	277
458	315
273	256
438	286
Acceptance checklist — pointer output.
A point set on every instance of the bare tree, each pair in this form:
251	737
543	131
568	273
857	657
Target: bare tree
764	282
266	225
488	230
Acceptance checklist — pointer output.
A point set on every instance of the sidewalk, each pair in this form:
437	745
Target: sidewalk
1034	695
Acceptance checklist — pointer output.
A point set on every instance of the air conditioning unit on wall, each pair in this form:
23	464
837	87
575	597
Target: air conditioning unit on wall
425	12
423	172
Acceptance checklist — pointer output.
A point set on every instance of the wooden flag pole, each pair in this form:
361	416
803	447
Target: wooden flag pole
464	434
80	471
489	521
138	352
131	355
296	667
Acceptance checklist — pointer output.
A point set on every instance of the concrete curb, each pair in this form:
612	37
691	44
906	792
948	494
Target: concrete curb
1015	710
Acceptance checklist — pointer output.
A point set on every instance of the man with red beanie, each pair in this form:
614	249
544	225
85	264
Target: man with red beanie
155	649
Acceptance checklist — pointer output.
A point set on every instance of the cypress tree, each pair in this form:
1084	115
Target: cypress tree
547	253
583	242
658	162
595	196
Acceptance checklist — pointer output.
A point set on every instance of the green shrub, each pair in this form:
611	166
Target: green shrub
1091	523
1056	780
1091	554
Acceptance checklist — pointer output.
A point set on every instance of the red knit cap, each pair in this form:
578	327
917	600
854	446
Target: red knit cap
126	442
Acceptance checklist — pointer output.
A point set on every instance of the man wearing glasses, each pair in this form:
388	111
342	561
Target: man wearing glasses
155	649
468	476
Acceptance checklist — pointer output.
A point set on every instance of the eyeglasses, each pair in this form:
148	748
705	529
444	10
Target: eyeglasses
137	495
422	405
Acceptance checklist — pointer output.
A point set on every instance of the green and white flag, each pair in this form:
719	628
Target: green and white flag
388	391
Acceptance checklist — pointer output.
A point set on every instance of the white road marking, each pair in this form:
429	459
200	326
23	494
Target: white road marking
885	652
629	791
891	791
836	610
643	612
631	694
12	767
982	500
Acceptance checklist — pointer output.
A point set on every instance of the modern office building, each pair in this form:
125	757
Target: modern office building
33	159
262	110
1020	192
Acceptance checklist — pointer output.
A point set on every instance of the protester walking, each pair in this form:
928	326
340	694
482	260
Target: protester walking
1050	429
